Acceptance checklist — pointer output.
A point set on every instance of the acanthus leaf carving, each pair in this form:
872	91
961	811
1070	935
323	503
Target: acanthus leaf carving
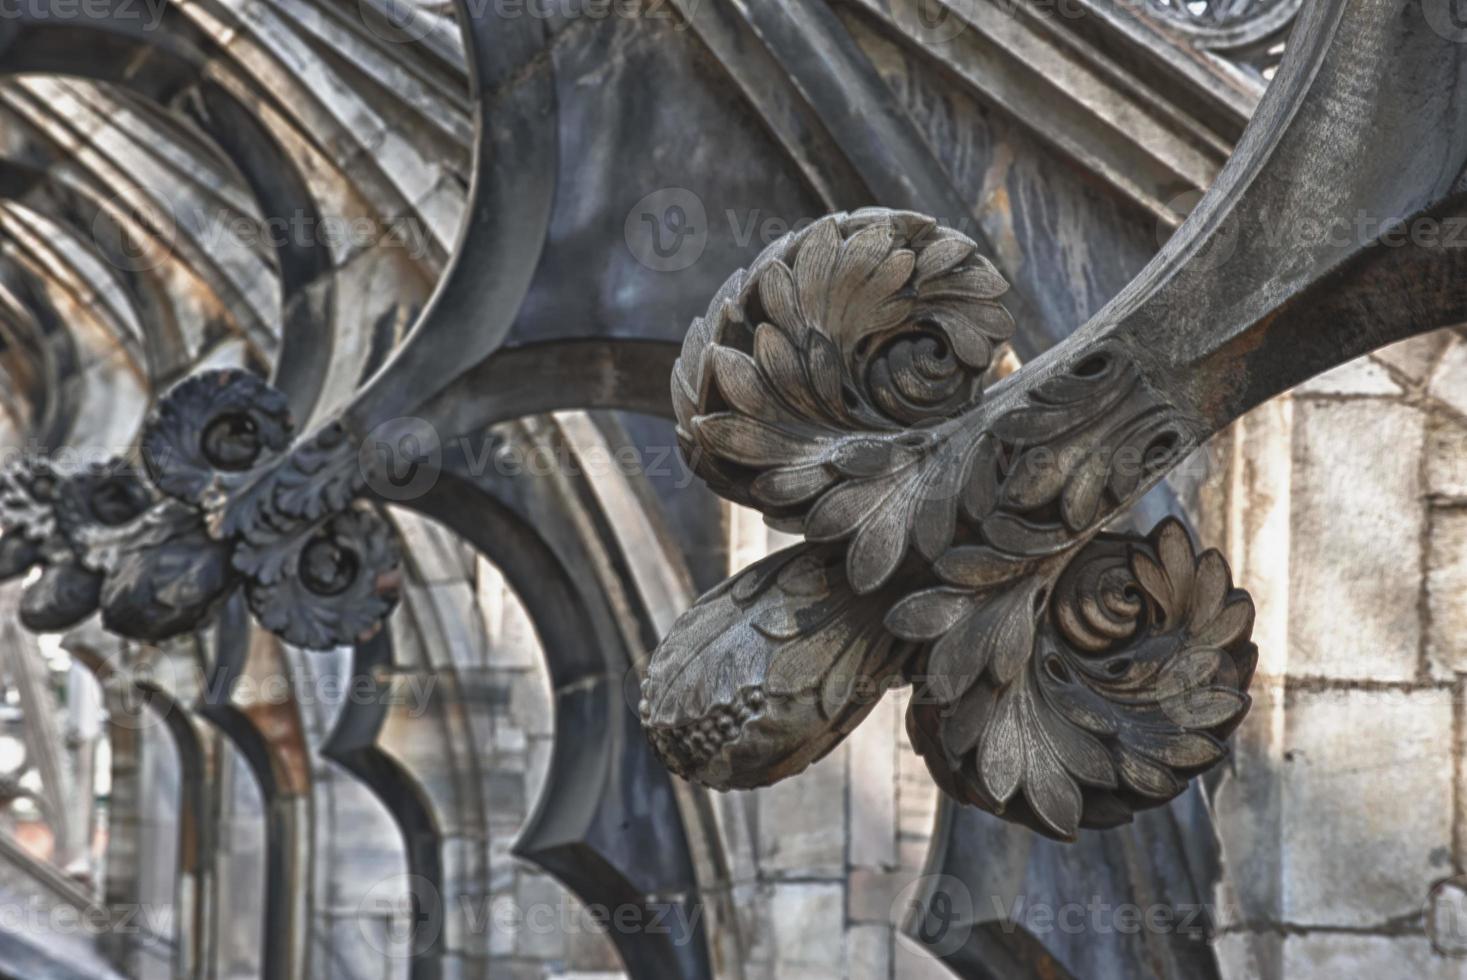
346	582
811	388
166	575
769	671
1133	671
828	387
213	430
46	514
237	503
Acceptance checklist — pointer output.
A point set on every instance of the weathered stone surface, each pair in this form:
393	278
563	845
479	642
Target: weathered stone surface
1446	591
1361	376
1446	917
1249	954
502	941
873	894
352	947
916	796
1367	804
1448	382
589	950
1446	456
1248	802
512	640
873	787
1413	358
800	822
531	705
887	813
1355	540
868	953
912	962
1326	955
538	922
753	901
808	920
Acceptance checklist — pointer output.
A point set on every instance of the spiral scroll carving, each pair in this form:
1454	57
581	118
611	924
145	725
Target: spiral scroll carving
1135	671
230	500
837	386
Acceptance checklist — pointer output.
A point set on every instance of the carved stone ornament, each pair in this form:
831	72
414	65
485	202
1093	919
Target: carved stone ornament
45	517
1063	678
228	502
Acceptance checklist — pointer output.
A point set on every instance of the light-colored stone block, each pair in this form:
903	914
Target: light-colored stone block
1446	917
1367	804
873	894
1446	593
868	953
752	904
873	788
353	948
496	916
1249	955
538	767
588	945
808	922
1247	802
1414	357
531	703
916	794
1361	376
1449	380
539	930
1446	456
802	822
1378	957
911	962
1355	540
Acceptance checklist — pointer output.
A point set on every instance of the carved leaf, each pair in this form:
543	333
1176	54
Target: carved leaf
63	595
212	426
167	575
318	572
332	587
795	392
45	516
768	672
1103	703
835	386
27	514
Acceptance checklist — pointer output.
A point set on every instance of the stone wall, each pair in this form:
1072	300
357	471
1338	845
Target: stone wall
1344	510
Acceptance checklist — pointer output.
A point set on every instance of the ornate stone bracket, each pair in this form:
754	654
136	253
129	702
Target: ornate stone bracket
227	503
1065	677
